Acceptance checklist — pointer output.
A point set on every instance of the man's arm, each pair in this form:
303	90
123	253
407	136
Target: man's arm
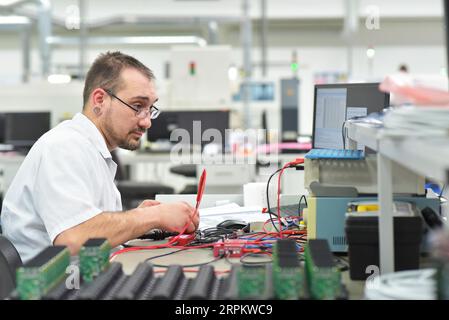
120	227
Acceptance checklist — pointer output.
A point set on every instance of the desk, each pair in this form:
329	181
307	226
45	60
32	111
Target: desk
130	260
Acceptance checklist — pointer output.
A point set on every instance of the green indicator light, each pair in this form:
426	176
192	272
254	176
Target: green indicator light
294	66
192	68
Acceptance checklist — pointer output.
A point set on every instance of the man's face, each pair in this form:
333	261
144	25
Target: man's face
121	127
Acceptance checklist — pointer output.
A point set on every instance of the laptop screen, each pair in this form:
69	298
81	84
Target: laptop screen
336	103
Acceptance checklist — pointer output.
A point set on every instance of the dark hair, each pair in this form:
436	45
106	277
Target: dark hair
106	69
403	67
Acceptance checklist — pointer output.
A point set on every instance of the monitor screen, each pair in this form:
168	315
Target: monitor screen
23	129
258	91
163	125
336	103
195	124
2	127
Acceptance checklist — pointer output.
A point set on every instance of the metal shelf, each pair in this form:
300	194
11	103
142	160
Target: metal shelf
364	134
425	156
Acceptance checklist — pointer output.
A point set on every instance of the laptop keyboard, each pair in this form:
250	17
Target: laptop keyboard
335	154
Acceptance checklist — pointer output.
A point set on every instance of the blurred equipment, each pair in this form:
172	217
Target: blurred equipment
288	275
228	178
289	110
9	262
323	276
42	273
254	279
133	192
403	285
326	217
432	219
94	258
193	128
259	91
323	176
23	129
362	233
199	76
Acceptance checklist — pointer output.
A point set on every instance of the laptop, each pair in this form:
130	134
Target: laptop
333	105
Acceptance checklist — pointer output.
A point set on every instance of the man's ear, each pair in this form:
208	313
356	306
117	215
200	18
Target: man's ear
98	97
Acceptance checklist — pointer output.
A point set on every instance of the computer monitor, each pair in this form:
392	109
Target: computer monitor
23	129
2	128
336	103
258	91
162	127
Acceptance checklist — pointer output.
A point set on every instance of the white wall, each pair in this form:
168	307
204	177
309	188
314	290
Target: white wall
411	32
285	9
428	60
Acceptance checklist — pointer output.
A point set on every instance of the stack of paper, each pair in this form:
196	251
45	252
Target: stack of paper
417	121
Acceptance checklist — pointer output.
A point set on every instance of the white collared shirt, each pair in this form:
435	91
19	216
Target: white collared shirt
66	179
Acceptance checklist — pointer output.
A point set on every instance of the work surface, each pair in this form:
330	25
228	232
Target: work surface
130	260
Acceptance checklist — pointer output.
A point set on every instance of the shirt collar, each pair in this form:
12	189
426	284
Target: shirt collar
92	133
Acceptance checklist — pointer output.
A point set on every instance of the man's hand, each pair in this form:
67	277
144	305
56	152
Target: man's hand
148	203
174	216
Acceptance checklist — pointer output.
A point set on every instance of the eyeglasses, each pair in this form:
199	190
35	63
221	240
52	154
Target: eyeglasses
141	112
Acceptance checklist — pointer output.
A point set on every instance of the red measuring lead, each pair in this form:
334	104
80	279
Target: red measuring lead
199	196
201	185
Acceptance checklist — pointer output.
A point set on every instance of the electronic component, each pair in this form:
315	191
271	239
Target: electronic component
326	216
288	276
200	289
169	285
229	248
94	258
323	277
371	208
254	282
103	284
184	239
42	273
141	276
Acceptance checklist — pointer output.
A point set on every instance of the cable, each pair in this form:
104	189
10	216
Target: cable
157	234
163	255
299	204
343	134
342	264
268	199
441	192
254	263
288	165
293	163
190	265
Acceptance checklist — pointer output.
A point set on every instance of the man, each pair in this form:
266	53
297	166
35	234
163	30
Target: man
64	192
